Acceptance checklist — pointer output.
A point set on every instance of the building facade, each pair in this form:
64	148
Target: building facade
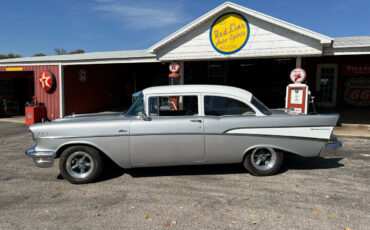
230	45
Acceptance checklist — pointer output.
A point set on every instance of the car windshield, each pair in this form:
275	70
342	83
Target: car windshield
260	106
137	109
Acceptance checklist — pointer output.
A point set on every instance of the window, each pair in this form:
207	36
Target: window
220	106
173	106
137	109
260	106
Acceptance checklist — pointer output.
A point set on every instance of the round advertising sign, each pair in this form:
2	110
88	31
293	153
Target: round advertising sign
174	67
298	75
82	75
229	33
47	81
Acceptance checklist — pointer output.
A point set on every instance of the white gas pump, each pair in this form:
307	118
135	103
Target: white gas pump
297	94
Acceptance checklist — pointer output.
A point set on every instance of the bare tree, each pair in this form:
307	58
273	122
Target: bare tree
60	51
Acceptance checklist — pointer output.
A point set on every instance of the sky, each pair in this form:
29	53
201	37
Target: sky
40	26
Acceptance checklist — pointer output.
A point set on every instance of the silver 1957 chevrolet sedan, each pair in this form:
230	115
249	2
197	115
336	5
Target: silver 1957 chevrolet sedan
180	125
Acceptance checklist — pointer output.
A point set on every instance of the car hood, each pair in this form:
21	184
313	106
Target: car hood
91	117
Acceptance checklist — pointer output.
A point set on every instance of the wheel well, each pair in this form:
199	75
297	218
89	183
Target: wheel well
61	149
276	149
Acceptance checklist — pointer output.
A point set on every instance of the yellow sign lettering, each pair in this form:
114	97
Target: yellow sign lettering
229	33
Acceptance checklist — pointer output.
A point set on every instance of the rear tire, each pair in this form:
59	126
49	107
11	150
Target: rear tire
80	164
263	161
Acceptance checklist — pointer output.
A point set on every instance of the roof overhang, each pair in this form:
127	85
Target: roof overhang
114	57
346	51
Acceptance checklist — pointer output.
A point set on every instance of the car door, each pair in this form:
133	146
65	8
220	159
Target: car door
221	115
173	134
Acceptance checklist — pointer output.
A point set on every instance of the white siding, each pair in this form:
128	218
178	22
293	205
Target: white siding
265	40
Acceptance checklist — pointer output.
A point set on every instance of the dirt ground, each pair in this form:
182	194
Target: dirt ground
331	192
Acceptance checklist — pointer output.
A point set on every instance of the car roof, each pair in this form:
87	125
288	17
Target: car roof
211	89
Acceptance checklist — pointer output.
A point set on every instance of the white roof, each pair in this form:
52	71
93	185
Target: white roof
211	89
324	40
106	57
349	46
345	42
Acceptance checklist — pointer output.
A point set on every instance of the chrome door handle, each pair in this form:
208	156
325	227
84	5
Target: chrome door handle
196	120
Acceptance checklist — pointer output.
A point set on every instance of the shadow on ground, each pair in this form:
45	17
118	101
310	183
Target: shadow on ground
291	162
310	163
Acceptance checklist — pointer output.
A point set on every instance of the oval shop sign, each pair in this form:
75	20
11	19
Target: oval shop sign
229	33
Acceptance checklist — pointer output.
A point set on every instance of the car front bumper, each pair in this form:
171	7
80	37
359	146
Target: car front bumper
41	159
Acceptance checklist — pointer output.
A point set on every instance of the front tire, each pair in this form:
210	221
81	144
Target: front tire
80	164
263	161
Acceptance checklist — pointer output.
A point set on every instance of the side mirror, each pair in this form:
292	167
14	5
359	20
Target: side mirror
145	117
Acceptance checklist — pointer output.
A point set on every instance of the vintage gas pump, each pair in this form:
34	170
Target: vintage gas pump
174	79
297	94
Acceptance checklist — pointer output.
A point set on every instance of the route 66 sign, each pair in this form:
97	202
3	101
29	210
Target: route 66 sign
357	91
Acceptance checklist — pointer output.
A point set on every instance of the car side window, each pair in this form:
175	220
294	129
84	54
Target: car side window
220	106
173	106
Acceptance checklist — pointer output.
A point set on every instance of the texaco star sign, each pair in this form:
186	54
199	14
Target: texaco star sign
47	81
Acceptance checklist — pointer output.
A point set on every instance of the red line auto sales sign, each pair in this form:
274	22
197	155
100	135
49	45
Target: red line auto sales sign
357	91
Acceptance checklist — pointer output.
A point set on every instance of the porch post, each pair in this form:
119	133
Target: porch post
61	90
182	72
298	62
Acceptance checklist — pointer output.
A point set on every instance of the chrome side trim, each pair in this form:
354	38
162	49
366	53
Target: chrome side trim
220	134
41	159
277	127
119	135
90	136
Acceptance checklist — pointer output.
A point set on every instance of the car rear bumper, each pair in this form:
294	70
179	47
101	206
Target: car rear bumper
333	142
41	159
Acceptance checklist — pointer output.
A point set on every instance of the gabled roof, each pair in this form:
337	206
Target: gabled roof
324	40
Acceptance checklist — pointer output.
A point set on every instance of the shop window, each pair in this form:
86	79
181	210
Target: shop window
173	106
217	71
221	106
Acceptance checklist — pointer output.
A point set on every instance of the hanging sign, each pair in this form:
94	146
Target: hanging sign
357	91
82	75
174	67
229	33
356	70
47	81
298	75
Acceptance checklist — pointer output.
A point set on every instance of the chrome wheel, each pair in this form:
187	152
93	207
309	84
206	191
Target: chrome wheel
80	165
263	158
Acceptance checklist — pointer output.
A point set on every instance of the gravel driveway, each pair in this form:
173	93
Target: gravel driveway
331	192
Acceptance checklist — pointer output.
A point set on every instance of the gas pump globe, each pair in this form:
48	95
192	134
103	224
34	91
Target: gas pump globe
174	76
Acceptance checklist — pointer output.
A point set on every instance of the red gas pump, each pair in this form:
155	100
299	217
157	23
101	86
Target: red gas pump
297	93
35	112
